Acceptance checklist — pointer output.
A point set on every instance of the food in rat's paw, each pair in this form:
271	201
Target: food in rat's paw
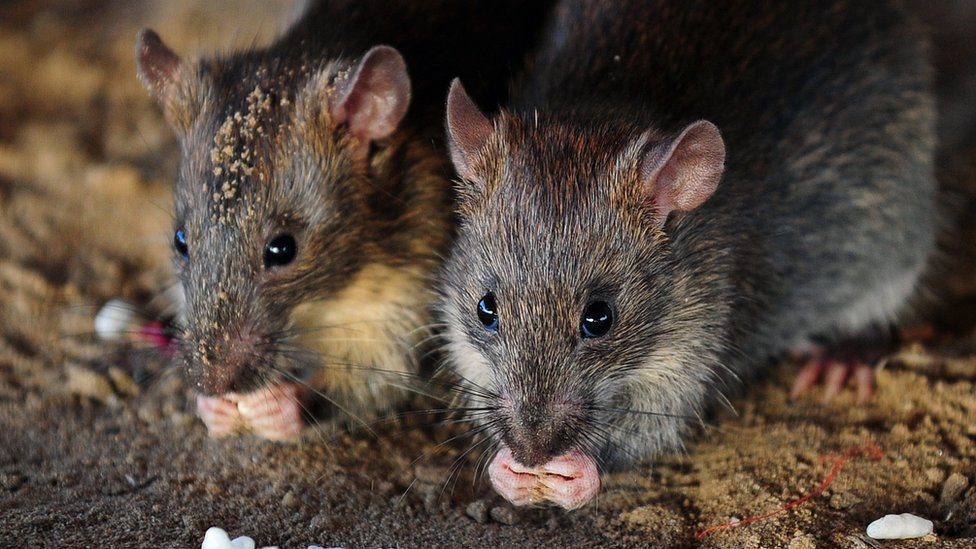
273	412
643	229
312	206
569	481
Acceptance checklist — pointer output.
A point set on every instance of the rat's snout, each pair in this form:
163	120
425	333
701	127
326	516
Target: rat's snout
541	429
220	361
541	458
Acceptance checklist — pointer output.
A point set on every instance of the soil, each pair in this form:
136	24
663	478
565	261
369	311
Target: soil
99	445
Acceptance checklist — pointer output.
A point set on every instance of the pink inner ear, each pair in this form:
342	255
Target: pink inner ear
157	64
468	129
374	99
682	173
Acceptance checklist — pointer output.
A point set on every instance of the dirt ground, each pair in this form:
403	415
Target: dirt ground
99	446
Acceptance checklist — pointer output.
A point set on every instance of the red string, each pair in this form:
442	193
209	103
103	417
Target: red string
870	449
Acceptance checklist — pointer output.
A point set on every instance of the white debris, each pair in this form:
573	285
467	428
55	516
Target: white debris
217	538
903	526
115	318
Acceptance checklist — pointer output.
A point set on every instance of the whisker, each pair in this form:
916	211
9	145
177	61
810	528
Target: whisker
625	411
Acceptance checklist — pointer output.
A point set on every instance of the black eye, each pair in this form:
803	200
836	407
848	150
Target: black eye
487	313
280	251
597	319
179	242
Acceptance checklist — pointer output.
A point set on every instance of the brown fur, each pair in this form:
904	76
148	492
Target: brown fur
278	141
818	232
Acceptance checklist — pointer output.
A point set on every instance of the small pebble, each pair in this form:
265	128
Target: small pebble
289	500
478	510
903	526
504	515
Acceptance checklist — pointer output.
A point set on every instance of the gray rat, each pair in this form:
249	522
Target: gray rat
677	194
313	202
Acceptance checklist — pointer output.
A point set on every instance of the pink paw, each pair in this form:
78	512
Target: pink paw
220	415
569	481
274	412
835	372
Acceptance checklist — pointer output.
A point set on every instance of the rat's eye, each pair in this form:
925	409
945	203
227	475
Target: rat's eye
280	251
597	319
487	313
179	242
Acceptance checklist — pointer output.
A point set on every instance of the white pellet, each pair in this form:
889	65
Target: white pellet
217	538
904	526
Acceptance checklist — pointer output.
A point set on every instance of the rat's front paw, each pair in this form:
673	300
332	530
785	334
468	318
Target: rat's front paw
569	481
274	412
220	415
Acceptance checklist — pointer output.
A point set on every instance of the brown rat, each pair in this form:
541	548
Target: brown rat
313	203
677	194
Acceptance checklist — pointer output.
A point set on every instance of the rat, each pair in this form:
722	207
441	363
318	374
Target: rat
313	203
676	195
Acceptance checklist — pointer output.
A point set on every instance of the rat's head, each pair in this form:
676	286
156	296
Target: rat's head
271	203
568	314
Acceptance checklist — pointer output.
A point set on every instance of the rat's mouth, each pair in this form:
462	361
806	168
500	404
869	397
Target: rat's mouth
569	481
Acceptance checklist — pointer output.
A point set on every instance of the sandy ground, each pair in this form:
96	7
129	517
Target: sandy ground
99	447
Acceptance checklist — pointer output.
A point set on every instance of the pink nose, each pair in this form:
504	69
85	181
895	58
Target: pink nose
569	481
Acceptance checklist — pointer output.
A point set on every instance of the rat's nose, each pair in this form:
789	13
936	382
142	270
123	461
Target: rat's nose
218	364
540	431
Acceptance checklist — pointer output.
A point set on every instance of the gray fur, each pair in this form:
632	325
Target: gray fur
819	230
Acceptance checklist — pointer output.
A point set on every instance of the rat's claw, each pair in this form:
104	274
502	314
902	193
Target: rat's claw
835	372
274	412
220	415
835	377
864	379
807	378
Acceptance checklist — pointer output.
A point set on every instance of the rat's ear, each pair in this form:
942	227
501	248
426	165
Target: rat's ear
373	99
166	77
680	173
468	129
